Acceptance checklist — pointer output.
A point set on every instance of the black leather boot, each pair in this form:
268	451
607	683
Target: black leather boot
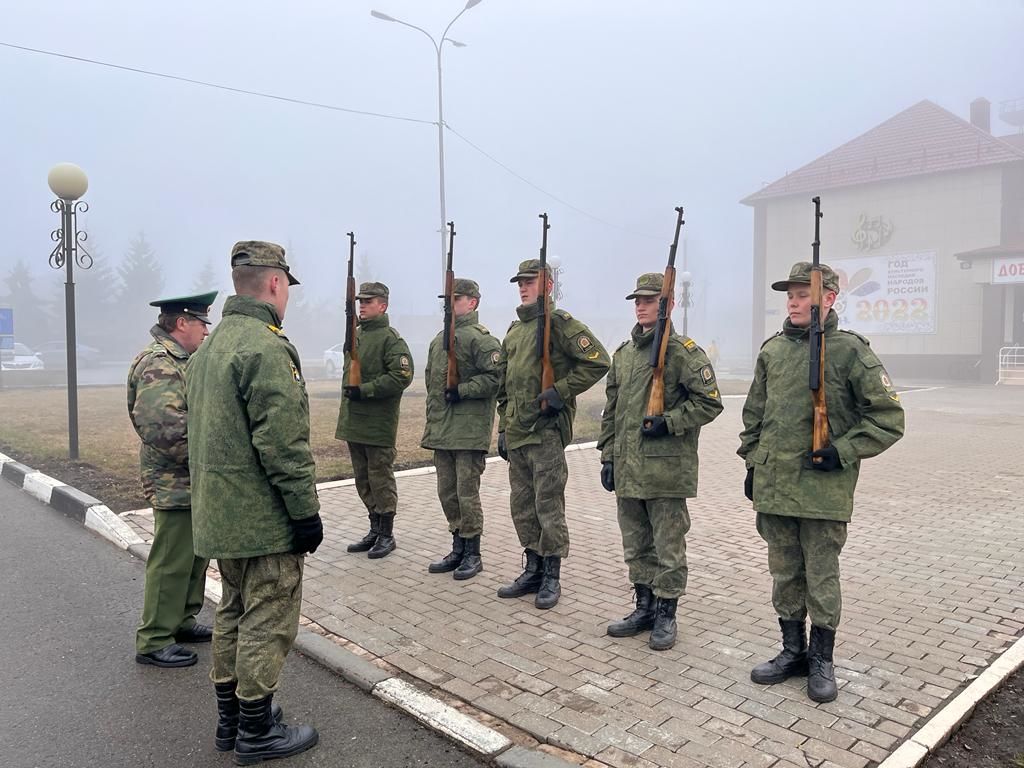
792	662
385	543
663	636
261	738
450	561
526	582
370	538
821	677
641	619
550	589
227	716
471	564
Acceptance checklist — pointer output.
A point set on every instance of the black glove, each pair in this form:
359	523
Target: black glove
502	446
308	533
829	459
608	476
452	396
354	393
553	400
748	484
654	426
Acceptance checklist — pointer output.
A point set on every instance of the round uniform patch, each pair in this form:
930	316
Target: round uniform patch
584	343
707	374
403	361
495	357
885	380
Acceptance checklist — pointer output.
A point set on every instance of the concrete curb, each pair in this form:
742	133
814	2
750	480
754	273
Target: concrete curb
428	710
937	731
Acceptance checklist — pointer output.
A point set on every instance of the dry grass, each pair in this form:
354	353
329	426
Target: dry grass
34	429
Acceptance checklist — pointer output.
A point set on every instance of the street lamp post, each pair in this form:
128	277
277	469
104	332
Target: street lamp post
440	114
686	279
68	182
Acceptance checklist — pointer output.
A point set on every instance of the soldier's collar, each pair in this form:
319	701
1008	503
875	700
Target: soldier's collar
251	307
529	311
470	318
641	337
381	321
169	342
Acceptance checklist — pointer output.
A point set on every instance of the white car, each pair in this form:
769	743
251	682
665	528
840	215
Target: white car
334	361
21	358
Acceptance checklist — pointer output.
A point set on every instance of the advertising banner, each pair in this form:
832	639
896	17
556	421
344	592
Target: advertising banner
887	294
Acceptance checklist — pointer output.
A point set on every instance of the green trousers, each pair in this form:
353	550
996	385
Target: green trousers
537	475
374	470
654	543
256	621
458	488
803	558
175	581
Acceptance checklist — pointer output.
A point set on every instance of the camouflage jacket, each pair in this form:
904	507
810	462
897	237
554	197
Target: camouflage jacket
156	406
864	418
657	467
252	468
467	424
579	361
387	370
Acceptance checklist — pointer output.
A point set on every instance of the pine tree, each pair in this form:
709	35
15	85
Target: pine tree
207	280
142	281
32	325
364	272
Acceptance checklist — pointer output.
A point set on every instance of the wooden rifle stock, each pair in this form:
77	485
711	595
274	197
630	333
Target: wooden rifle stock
547	372
355	371
663	328
452	377
819	431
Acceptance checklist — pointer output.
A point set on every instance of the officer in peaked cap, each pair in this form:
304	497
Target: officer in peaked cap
175	577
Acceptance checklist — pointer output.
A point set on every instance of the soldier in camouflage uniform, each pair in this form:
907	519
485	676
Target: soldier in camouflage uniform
254	499
368	416
175	577
803	506
533	441
458	427
650	462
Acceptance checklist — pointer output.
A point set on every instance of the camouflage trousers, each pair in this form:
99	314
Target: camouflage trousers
458	488
537	475
803	558
256	621
175	581
374	468
654	543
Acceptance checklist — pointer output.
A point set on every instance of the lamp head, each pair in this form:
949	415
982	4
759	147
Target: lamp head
686	278
384	16
67	181
471	3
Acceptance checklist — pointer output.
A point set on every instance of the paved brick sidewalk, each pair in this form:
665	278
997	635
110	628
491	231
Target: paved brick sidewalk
934	585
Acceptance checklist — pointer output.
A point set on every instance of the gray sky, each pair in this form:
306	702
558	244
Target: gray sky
622	109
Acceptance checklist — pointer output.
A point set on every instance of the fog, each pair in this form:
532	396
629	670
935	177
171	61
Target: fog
604	114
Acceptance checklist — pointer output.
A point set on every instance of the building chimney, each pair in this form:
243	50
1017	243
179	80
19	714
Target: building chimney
981	114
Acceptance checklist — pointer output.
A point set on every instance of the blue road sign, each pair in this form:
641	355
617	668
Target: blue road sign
6	321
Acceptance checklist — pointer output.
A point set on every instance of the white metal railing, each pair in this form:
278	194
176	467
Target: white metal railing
1011	365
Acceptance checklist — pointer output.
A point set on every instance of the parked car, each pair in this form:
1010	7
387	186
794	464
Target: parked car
54	354
334	361
20	358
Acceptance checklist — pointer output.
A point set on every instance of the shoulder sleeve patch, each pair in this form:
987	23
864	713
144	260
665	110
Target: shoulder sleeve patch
495	357
584	342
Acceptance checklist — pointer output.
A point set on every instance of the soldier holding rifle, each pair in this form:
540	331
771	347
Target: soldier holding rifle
660	391
548	359
462	382
378	368
809	419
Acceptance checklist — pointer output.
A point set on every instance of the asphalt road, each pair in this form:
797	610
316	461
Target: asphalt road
72	696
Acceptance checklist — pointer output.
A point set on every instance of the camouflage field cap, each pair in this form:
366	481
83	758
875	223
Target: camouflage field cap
801	273
527	269
258	253
197	306
648	284
372	290
463	286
